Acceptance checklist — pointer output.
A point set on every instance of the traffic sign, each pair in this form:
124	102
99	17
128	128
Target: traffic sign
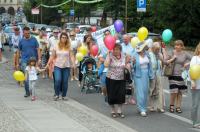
141	5
35	11
72	12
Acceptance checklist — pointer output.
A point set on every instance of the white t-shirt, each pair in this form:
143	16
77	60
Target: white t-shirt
196	61
52	43
32	73
144	61
74	44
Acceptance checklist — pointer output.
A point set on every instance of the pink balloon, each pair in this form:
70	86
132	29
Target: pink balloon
93	28
94	50
110	42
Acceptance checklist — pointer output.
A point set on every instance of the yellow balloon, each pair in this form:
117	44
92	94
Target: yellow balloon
142	33
83	49
195	72
134	41
79	56
19	76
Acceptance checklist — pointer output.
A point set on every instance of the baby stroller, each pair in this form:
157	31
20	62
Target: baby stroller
129	87
89	71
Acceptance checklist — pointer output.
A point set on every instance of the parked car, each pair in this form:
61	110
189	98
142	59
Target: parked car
31	25
39	26
150	35
70	26
84	28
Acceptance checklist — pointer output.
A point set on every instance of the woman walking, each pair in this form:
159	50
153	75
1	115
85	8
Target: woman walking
156	99
115	83
63	56
176	82
142	73
195	89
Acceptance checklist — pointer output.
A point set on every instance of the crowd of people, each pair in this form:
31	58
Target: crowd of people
142	68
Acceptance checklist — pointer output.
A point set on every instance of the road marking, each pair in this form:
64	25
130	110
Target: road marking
178	117
167	91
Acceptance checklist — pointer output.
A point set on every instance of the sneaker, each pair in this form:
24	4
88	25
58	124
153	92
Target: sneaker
161	110
26	95
197	126
56	98
143	114
72	79
76	78
64	98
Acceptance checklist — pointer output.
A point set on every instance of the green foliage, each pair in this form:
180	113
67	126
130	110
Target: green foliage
181	16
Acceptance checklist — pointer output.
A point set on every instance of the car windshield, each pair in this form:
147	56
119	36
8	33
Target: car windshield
9	30
72	25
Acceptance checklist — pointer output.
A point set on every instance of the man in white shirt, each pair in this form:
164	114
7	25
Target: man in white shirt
126	46
53	40
15	39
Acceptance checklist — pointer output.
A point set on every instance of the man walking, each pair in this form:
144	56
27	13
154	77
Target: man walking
28	48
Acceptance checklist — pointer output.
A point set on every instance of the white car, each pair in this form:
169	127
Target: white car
84	28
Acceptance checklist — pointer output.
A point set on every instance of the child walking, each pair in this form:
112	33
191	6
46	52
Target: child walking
31	76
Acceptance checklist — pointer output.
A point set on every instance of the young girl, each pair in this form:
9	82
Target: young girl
195	89
31	76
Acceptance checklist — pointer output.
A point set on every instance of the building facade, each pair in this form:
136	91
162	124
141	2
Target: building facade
10	6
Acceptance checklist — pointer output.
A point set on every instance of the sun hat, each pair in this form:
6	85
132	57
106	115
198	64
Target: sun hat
140	46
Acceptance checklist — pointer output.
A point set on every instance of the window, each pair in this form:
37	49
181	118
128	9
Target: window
11	1
5	1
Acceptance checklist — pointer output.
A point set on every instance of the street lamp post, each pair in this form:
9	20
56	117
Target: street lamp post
41	13
126	16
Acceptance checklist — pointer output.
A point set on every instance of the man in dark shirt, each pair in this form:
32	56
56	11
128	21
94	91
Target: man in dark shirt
28	48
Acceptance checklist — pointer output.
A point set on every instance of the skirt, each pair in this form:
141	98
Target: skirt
116	91
177	84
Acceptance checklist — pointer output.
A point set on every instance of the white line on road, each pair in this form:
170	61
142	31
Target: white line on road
182	119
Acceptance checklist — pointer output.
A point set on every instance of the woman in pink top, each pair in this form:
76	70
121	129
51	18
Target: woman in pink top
63	57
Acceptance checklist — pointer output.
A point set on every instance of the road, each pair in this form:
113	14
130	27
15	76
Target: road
154	122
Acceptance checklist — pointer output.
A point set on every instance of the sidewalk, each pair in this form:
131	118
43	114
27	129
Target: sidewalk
46	115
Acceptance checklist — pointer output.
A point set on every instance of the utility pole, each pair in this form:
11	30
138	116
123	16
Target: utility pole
126	16
74	11
41	13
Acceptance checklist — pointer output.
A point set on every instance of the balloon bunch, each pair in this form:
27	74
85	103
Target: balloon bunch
82	51
141	36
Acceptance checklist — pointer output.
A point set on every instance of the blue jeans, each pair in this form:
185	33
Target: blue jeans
26	82
61	80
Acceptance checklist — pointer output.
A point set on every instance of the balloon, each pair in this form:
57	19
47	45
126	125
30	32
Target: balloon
19	76
79	56
134	41
93	28
94	50
167	35
194	72
83	49
118	24
110	42
142	33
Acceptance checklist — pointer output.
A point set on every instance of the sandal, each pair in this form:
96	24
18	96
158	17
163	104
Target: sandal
178	110
121	115
171	108
113	115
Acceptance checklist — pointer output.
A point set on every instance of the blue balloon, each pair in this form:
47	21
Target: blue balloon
167	35
118	25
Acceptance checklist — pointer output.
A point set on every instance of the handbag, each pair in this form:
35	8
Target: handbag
169	68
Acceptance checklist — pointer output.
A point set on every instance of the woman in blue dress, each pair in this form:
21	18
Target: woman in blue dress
142	73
